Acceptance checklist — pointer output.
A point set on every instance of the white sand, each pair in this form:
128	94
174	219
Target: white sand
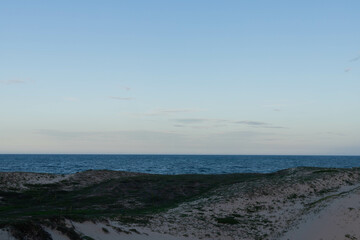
5	235
55	235
277	211
95	231
339	220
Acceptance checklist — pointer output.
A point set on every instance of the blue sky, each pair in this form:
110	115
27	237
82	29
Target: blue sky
194	77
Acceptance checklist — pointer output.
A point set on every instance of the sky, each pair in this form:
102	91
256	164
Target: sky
180	77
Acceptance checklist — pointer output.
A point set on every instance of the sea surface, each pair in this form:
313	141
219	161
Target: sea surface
168	164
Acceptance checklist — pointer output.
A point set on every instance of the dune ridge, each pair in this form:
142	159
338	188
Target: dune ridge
102	204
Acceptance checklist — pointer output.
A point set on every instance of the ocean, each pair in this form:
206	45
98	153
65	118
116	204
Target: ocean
168	164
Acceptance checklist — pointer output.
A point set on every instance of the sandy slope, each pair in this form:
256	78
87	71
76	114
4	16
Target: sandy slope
340	219
5	235
113	231
295	204
264	210
95	231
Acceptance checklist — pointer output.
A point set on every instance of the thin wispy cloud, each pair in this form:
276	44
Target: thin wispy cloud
333	133
258	124
191	120
192	126
162	112
252	123
121	98
107	135
276	107
216	123
195	123
13	81
242	135
357	58
276	127
200	123
70	99
126	88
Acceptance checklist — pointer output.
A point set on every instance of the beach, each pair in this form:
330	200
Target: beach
297	203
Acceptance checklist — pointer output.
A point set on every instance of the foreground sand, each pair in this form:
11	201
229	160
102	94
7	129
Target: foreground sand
301	203
340	219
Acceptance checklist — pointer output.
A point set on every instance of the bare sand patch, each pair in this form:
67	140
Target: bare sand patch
339	219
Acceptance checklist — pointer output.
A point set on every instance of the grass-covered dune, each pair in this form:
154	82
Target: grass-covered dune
253	206
128	196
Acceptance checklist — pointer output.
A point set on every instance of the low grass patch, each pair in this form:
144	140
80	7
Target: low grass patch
227	220
326	171
129	197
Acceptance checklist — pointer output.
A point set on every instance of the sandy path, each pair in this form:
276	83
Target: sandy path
338	220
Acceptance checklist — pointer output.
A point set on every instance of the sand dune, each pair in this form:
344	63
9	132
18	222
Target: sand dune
339	219
299	203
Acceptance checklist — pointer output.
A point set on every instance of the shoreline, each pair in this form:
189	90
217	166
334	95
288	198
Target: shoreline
280	205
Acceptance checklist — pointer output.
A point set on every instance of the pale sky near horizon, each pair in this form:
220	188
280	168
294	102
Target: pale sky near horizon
182	77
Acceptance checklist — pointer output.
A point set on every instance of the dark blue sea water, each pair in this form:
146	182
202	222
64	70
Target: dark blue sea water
169	164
